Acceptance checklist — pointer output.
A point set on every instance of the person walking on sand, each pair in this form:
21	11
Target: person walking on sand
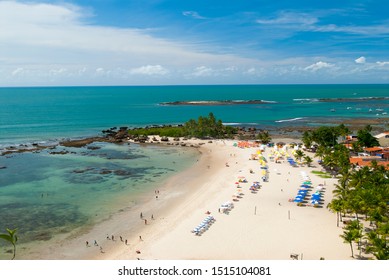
141	215
145	222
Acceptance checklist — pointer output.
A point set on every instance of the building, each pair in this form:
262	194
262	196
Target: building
383	139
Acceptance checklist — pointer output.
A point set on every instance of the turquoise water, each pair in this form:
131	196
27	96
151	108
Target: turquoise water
41	114
44	194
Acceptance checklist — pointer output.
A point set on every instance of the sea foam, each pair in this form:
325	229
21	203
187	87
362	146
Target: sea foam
289	120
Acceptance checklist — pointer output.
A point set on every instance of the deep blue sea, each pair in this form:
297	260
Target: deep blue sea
43	194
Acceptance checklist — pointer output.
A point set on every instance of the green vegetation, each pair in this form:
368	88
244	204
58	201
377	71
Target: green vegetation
325	136
365	193
365	139
264	137
169	131
362	193
322	174
203	127
12	238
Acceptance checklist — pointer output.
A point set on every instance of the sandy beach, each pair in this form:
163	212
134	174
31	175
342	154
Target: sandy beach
262	225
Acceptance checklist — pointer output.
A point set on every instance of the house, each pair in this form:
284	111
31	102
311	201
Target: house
383	139
366	161
373	151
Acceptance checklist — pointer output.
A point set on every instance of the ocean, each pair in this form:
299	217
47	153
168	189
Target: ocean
43	114
48	192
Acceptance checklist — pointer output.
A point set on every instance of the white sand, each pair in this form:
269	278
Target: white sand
264	225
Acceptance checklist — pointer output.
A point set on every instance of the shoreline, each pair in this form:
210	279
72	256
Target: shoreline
72	245
293	128
183	201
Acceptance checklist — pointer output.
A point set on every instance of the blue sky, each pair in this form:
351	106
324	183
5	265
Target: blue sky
160	42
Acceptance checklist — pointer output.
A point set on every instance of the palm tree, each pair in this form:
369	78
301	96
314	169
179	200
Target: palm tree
299	155
11	238
264	137
322	151
378	246
337	205
308	160
343	131
348	237
307	139
359	177
330	162
352	232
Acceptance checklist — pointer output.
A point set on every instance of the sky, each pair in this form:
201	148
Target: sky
158	42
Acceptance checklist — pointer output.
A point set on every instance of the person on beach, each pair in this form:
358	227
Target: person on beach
152	216
145	222
113	238
141	215
140	238
87	243
125	242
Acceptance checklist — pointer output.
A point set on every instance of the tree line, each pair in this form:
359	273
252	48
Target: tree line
362	193
203	127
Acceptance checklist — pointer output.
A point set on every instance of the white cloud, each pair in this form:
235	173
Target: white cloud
39	36
361	60
17	71
288	18
311	22
382	63
317	66
58	44
150	70
193	14
203	71
253	71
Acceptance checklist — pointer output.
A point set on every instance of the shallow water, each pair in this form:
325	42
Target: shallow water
44	194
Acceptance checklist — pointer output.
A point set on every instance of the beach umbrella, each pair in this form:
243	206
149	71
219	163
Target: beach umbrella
298	200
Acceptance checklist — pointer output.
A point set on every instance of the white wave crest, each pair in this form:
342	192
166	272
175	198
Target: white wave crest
289	120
